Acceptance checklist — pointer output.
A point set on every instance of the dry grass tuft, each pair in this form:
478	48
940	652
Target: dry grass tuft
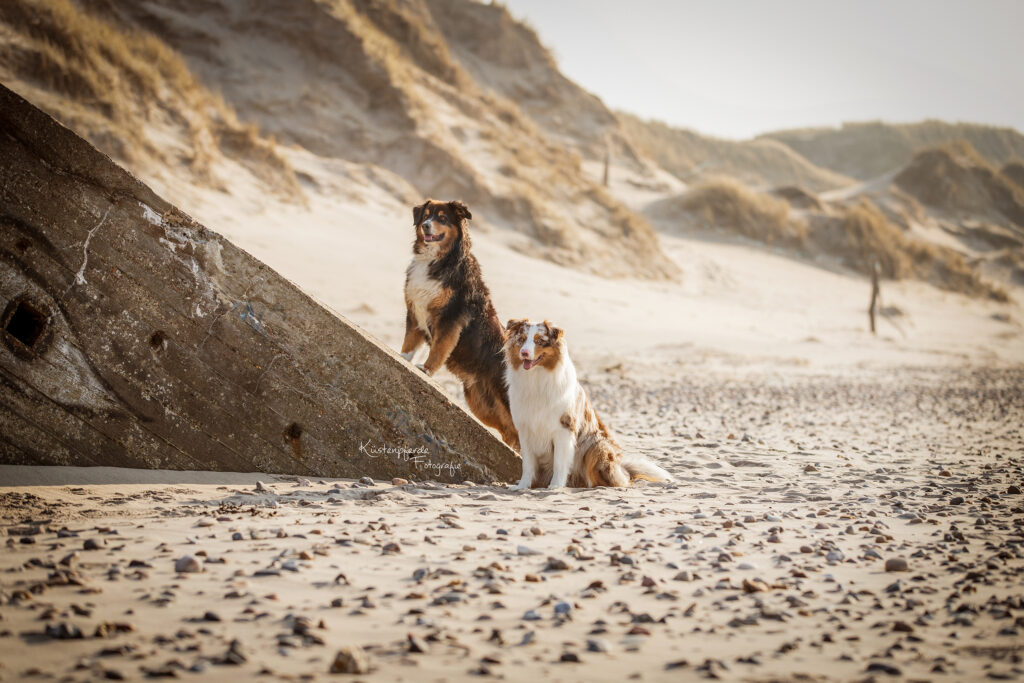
955	177
862	236
117	84
726	203
1014	172
858	234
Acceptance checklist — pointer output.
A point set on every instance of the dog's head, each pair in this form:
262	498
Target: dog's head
530	344
440	226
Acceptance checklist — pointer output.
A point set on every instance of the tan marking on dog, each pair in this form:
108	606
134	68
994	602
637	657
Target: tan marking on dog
414	336
441	347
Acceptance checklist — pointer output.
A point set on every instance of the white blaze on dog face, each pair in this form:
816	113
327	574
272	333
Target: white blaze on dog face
531	344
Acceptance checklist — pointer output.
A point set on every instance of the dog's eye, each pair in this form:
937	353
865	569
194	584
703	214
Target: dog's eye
443	219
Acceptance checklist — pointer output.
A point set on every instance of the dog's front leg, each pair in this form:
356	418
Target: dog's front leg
413	336
441	347
529	470
564	447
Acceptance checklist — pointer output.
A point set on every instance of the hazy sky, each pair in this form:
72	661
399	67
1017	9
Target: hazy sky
734	69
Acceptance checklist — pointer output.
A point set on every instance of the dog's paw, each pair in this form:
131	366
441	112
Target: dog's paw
423	368
520	487
408	356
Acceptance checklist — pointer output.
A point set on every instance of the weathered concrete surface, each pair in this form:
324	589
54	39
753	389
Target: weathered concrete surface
133	336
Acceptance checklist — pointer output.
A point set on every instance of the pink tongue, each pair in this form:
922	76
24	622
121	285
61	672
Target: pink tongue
527	364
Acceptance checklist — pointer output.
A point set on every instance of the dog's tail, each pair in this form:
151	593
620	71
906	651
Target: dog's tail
639	467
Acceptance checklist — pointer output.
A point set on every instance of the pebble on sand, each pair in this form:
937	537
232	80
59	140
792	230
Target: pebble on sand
350	660
188	564
896	564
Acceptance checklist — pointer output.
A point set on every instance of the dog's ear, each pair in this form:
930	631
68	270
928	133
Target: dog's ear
460	210
554	333
514	323
417	212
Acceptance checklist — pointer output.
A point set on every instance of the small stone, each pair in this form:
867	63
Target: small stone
110	628
956	500
235	654
896	564
754	586
237	536
562	607
211	616
569	657
350	660
532	615
810	468
774	538
556	565
92	544
945	473
524	550
416	644
63	631
368	481
598	645
683	576
398	481
1013	490
188	565
806	549
902	627
261	487
884	668
391	549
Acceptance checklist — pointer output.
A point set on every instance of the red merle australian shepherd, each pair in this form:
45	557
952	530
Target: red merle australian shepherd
448	306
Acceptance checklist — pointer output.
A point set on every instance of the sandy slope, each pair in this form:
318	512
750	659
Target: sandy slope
350	247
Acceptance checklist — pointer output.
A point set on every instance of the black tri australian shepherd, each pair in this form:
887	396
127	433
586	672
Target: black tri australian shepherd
449	307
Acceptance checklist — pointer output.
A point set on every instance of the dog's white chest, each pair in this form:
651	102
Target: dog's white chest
537	400
420	291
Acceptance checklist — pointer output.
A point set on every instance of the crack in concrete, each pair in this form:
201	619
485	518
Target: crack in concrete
80	275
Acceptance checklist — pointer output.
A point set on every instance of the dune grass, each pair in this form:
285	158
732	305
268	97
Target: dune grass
727	203
858	234
862	236
955	177
115	83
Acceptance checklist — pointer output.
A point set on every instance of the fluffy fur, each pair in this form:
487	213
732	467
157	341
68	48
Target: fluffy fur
562	440
449	307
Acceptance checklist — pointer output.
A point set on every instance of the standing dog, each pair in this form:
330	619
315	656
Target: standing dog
448	306
562	440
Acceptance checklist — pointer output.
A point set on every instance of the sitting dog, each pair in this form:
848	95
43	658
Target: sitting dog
562	440
448	306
